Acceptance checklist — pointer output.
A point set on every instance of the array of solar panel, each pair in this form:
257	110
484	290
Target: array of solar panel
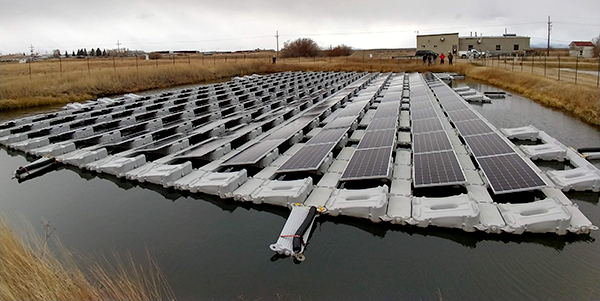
254	153
505	170
435	163
437	169
308	158
371	163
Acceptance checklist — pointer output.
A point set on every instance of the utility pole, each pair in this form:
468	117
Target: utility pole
549	28
277	38
118	46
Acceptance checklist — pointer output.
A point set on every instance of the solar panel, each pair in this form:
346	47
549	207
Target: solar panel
509	173
383	123
286	132
431	142
487	145
368	164
328	136
423	114
420	105
389	97
351	110
373	139
426	126
437	169
454	106
308	158
254	153
462	115
341	122
420	98
473	127
387	110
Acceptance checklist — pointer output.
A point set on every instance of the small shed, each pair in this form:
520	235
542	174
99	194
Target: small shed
581	49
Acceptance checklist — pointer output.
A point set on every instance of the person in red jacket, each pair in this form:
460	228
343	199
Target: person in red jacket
442	57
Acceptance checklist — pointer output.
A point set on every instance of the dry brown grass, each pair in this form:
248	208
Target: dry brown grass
28	273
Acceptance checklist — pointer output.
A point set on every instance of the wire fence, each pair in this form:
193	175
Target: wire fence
577	70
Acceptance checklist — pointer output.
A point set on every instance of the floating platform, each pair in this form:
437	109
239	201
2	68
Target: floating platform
398	148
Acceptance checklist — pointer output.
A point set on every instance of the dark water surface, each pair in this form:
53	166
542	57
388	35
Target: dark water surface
214	249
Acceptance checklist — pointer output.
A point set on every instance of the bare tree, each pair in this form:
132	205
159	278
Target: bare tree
596	42
302	47
339	50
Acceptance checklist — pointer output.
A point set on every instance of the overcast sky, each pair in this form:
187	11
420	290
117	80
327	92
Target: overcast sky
243	24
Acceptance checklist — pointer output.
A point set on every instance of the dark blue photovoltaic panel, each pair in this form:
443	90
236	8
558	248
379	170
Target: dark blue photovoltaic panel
509	173
309	157
373	139
437	169
472	127
426	126
368	164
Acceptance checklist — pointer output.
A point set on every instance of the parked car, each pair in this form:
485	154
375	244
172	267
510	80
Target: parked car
465	53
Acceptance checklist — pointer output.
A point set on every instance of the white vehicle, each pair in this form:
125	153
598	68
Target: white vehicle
474	52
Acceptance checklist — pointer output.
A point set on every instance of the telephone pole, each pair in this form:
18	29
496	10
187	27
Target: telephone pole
549	29
277	38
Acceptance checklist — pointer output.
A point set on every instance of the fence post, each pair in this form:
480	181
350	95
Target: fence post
545	63
559	67
522	61
532	62
173	57
114	64
513	61
189	62
214	59
60	65
88	63
598	78
136	62
202	58
576	68
29	61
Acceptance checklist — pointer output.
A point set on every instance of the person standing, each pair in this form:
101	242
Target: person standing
424	59
429	57
435	58
442	57
450	57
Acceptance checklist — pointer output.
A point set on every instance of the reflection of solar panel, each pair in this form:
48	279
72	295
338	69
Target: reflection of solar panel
309	157
437	169
426	126
462	115
487	145
373	139
383	123
473	127
254	153
431	142
509	173
328	136
369	164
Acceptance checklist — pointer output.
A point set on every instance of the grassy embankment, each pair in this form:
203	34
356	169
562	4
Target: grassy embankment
30	272
18	91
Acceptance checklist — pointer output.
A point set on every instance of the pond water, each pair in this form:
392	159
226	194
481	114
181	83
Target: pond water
211	249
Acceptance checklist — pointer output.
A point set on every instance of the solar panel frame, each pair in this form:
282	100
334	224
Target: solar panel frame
254	153
473	127
376	139
509	173
373	163
308	158
431	142
437	169
488	145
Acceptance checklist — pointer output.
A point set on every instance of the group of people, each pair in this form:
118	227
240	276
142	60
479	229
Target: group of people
433	57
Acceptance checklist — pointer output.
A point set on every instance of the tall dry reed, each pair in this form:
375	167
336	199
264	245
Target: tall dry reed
29	272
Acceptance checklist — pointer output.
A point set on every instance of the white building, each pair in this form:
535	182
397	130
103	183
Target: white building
581	49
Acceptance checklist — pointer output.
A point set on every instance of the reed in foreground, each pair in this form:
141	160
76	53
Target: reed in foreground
29	272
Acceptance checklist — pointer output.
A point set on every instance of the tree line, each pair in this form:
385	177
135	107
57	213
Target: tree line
306	47
83	52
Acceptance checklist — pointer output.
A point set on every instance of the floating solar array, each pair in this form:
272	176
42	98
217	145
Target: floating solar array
505	170
373	156
434	160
